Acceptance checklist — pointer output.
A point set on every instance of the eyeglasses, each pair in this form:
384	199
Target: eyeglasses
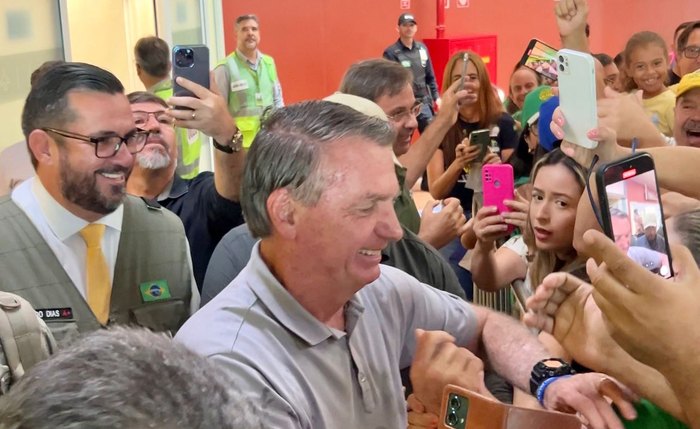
404	114
691	52
141	117
533	129
108	146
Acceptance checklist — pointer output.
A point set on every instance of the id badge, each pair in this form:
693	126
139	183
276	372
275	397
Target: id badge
258	99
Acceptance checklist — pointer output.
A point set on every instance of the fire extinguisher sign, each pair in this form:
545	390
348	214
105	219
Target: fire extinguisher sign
405	4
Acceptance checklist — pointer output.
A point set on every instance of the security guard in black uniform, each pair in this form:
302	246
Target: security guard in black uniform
414	55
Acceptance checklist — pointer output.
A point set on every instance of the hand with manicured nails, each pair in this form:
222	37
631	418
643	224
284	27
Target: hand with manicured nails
489	225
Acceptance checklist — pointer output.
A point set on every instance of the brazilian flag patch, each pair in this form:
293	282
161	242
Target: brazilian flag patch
155	290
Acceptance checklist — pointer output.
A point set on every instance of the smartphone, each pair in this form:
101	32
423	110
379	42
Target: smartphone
498	186
465	60
541	58
464	409
192	63
480	138
577	96
632	214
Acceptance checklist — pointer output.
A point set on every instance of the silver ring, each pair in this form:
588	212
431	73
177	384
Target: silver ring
194	115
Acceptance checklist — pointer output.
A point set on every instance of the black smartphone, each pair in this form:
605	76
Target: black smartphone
480	138
632	213
456	411
541	58
192	63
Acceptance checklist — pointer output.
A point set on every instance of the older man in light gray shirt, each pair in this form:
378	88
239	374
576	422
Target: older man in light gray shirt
314	328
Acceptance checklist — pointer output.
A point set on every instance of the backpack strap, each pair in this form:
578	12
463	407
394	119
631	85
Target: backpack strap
24	337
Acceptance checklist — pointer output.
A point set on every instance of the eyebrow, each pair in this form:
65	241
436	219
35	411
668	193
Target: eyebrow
556	194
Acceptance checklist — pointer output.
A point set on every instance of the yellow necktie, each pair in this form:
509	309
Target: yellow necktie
99	286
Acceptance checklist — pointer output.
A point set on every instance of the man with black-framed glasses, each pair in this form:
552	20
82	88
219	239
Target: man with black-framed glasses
81	251
208	203
688	59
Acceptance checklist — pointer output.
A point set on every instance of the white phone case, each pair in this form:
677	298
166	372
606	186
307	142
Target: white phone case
577	96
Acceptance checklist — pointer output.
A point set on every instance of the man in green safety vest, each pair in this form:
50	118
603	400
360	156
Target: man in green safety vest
248	79
153	68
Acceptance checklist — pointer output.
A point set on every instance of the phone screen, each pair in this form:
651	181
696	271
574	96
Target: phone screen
636	216
542	58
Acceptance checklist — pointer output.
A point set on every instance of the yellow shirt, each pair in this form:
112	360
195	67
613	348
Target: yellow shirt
660	109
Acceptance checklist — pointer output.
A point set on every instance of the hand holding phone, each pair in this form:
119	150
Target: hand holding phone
192	63
577	96
498	186
481	139
632	213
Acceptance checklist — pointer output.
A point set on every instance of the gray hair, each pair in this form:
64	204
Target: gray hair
125	378
286	154
374	78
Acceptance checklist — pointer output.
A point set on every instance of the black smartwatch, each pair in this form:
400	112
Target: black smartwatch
235	144
546	369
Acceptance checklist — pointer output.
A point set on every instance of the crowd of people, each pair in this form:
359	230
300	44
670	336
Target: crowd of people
298	285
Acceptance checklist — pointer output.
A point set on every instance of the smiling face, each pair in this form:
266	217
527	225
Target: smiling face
161	147
344	232
398	108
688	65
555	195
88	186
522	82
686	130
648	68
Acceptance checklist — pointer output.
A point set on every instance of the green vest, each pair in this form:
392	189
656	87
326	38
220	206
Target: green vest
152	247
189	142
250	92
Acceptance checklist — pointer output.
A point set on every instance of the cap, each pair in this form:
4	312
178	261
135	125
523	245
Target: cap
649	221
547	139
533	101
406	17
362	105
688	82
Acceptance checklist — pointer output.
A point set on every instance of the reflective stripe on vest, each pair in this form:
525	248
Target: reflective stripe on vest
250	93
189	142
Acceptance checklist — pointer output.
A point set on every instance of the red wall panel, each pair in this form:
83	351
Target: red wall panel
314	41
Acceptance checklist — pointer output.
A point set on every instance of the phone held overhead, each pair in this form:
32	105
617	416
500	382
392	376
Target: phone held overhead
577	96
192	63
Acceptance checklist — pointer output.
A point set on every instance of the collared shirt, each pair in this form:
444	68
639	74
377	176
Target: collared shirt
60	229
308	375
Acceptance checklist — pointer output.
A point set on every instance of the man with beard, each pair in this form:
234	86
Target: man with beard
686	131
74	245
248	79
208	203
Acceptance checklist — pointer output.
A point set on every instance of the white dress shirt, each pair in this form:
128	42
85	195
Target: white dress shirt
60	229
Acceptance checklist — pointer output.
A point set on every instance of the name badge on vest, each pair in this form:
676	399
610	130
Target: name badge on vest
155	290
258	99
406	63
239	85
423	56
47	314
192	136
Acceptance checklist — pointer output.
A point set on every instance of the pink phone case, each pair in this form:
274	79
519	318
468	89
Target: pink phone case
498	186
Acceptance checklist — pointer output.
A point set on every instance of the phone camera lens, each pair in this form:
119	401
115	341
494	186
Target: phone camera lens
184	57
561	58
455	403
452	419
561	67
